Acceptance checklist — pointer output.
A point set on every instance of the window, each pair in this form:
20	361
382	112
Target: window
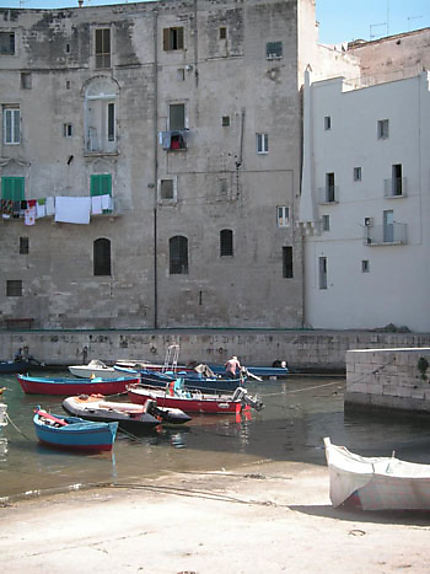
365	267
223	187
273	50
23	245
287	262
388	226
11	125
225	121
102	257
101	184
167	189
67	130
262	143
14	288
382	129
26	80
226	242
397	187
222	33
356	174
283	216
13	188
177	117
67	48
7	43
180	74
100	116
330	187
325	222
322	263
173	39
103	49
178	255
327	122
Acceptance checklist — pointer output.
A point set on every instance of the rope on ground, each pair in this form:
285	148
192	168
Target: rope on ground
16	427
188	492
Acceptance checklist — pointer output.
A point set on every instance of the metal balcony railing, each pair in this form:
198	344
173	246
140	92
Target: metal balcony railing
395	187
390	234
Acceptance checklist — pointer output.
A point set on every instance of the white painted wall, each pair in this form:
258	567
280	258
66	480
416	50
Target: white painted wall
395	290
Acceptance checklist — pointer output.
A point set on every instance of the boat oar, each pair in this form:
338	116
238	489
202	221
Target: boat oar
252	376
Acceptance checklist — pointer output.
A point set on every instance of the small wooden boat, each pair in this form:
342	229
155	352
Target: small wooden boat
70	386
73	433
376	483
130	416
195	401
192	381
94	368
255	371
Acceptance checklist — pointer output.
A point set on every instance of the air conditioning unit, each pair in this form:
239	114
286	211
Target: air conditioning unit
368	221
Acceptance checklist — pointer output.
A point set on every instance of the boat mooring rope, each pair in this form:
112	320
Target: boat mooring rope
16	427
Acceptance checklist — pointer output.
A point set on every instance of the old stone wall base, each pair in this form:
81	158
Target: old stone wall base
397	378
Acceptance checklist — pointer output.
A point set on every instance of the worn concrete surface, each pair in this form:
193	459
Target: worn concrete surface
269	518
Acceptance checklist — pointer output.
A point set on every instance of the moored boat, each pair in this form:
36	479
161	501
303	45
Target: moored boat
376	483
94	368
195	401
73	433
130	416
191	381
70	386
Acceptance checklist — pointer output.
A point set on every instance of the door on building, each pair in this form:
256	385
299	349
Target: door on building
388	226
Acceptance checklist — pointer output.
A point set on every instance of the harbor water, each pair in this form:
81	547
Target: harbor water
299	412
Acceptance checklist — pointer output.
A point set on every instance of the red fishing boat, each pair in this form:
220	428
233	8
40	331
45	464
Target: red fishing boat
196	402
70	386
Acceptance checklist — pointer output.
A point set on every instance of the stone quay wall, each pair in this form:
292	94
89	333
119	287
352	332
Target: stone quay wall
397	378
304	350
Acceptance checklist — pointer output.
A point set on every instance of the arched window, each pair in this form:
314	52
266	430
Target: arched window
178	255
102	257
226	242
100	115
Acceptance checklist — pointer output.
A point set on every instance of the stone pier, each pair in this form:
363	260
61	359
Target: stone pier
397	378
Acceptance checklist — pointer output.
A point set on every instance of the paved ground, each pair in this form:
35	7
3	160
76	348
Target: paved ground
270	518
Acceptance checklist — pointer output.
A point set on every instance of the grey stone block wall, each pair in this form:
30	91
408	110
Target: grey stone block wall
393	377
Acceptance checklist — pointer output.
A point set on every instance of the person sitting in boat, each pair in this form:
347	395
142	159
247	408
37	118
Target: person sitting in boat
18	355
233	367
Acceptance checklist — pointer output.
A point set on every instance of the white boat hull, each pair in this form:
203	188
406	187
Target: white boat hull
376	483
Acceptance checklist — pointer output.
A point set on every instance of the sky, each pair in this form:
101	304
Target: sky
339	20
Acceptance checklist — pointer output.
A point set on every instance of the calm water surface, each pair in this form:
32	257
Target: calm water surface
299	412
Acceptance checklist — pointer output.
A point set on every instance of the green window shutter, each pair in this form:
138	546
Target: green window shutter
101	184
13	188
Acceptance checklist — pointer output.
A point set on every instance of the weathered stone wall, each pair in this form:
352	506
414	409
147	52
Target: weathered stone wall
396	378
316	351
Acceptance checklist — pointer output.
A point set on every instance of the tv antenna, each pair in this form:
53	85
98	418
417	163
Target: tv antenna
372	26
412	18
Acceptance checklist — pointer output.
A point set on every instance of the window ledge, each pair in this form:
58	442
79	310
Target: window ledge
101	153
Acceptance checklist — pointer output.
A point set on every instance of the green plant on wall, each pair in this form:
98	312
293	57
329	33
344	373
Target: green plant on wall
422	366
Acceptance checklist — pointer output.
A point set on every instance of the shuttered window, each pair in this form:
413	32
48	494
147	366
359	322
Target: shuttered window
101	184
173	39
103	51
13	188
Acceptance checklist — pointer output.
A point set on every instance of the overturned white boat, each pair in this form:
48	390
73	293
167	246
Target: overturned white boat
376	483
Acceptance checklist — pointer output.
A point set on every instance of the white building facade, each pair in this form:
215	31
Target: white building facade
365	204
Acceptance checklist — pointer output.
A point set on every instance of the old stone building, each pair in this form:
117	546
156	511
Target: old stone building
150	163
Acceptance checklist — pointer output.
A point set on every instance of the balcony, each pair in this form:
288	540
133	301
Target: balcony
390	234
328	195
395	187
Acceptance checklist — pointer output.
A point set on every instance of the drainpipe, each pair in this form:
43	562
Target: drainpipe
155	119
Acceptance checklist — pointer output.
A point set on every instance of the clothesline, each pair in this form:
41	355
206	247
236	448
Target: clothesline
65	209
